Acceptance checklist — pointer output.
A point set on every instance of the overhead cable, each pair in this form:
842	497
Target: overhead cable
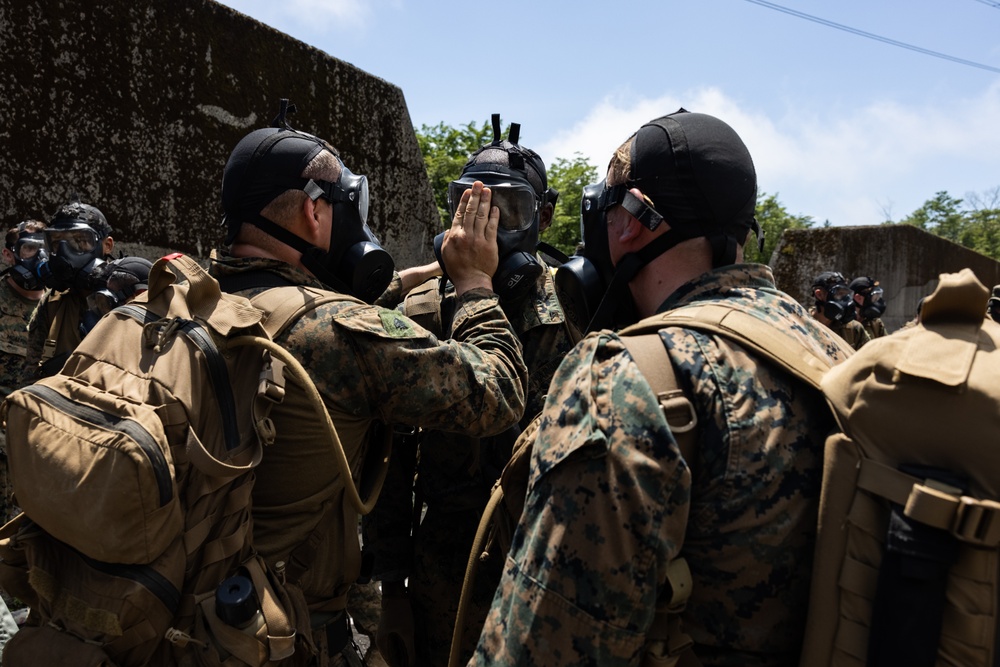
878	38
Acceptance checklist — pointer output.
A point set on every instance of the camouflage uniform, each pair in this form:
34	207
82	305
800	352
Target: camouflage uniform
70	305
853	332
454	476
874	328
15	312
370	365
611	501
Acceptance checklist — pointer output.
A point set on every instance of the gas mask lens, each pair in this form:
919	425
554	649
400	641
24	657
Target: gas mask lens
518	205
104	301
79	241
355	187
840	294
28	247
875	296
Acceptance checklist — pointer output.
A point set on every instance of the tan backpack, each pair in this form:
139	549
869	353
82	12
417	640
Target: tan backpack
907	567
134	468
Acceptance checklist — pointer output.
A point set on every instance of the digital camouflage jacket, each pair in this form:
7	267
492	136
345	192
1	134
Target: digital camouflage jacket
611	501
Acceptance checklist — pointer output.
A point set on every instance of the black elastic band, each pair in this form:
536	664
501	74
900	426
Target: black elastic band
630	265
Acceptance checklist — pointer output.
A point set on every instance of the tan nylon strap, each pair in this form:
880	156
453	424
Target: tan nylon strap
885	482
236	500
747	330
858	578
967	628
650	356
852	638
284	305
213	467
280	631
969	519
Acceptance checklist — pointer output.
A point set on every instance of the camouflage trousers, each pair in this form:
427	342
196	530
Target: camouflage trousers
441	554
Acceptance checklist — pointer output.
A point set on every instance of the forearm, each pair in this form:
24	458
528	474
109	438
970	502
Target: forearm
494	352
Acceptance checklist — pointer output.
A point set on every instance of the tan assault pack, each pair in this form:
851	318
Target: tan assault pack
907	568
134	468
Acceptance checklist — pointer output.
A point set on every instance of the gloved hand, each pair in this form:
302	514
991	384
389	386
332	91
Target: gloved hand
394	637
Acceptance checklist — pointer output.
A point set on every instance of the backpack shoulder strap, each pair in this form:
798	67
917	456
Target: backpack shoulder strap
651	357
285	304
423	305
751	332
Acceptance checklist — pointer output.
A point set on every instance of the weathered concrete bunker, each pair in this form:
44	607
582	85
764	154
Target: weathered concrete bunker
135	107
904	259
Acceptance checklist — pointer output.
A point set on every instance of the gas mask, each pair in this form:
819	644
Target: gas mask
104	300
355	256
29	253
582	281
873	305
839	304
75	255
517	233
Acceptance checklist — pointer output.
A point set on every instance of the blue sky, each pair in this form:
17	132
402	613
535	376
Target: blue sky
841	127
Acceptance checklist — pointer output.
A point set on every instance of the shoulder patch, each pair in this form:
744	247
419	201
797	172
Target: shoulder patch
396	325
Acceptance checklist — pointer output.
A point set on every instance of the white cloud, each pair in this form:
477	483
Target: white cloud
846	167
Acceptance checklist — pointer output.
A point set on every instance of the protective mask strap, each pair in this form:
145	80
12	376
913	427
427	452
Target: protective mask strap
629	266
313	258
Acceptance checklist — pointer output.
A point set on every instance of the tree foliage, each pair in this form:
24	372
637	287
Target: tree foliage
568	176
773	219
973	223
446	149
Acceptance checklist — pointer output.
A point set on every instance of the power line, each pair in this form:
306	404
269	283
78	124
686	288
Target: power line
990	3
879	38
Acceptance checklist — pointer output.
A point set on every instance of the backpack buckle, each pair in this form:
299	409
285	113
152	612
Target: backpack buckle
977	522
678	411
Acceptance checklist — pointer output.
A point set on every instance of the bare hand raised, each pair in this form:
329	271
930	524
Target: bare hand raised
469	248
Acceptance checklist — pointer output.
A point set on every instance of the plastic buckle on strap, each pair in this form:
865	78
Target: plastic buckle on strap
977	522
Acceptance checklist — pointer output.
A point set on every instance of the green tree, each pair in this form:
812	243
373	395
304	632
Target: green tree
974	223
941	215
568	176
773	219
446	149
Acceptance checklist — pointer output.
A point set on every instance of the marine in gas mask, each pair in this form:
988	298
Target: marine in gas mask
451	473
20	290
354	261
24	249
122	280
869	304
698	201
78	243
516	177
834	307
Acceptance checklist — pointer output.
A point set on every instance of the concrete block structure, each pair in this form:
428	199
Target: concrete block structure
135	106
906	261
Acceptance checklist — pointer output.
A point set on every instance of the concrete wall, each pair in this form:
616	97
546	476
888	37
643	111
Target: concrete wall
904	259
135	105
